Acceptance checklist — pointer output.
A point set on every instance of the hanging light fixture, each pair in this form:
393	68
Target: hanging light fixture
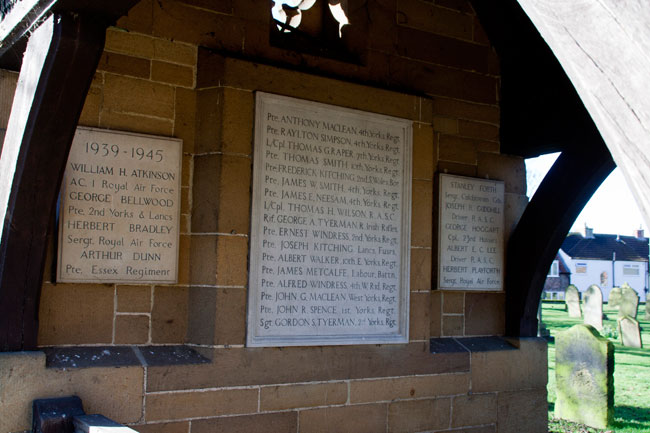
291	15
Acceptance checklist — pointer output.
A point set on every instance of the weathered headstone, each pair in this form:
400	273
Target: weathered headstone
593	307
628	329
647	310
629	302
572	299
584	374
615	296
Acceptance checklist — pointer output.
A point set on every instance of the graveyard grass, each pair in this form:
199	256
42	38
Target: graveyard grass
631	373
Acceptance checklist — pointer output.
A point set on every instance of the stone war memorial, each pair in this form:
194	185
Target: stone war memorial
572	300
330	238
135	221
593	307
293	216
584	372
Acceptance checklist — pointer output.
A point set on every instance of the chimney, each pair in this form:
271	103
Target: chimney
638	233
589	232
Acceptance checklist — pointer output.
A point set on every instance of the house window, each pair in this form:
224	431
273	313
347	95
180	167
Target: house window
630	269
581	268
555	269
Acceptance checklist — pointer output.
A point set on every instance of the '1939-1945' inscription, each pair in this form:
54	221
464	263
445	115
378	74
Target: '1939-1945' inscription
119	209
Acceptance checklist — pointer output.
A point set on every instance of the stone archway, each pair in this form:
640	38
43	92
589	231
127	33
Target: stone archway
602	48
589	46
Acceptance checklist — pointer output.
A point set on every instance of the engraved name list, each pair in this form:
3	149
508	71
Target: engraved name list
470	233
120	209
331	214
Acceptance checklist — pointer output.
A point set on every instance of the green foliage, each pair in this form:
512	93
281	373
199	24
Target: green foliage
609	332
631	375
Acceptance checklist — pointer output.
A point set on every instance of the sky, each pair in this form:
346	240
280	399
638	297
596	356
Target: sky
612	208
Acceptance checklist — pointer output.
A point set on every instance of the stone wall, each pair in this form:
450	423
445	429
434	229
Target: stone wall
189	69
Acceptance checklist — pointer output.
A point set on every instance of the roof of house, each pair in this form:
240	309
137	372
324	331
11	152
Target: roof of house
562	266
601	247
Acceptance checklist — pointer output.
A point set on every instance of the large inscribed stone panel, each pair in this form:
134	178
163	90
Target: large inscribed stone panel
120	209
470	233
330	229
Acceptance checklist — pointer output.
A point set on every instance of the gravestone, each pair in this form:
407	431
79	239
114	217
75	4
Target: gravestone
647	310
593	307
615	297
572	299
584	374
628	329
629	302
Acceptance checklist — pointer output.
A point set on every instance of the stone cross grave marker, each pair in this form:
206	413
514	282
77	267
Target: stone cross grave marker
593	307
629	302
572	299
630	333
615	296
584	374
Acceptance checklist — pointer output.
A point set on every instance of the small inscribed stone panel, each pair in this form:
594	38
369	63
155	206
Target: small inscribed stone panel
330	235
470	233
120	209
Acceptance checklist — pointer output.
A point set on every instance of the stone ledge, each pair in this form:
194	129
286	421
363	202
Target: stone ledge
286	365
469	344
120	356
157	356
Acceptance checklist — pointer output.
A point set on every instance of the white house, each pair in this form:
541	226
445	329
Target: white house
558	277
607	261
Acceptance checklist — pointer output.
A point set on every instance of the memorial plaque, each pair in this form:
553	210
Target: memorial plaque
120	208
330	236
470	233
